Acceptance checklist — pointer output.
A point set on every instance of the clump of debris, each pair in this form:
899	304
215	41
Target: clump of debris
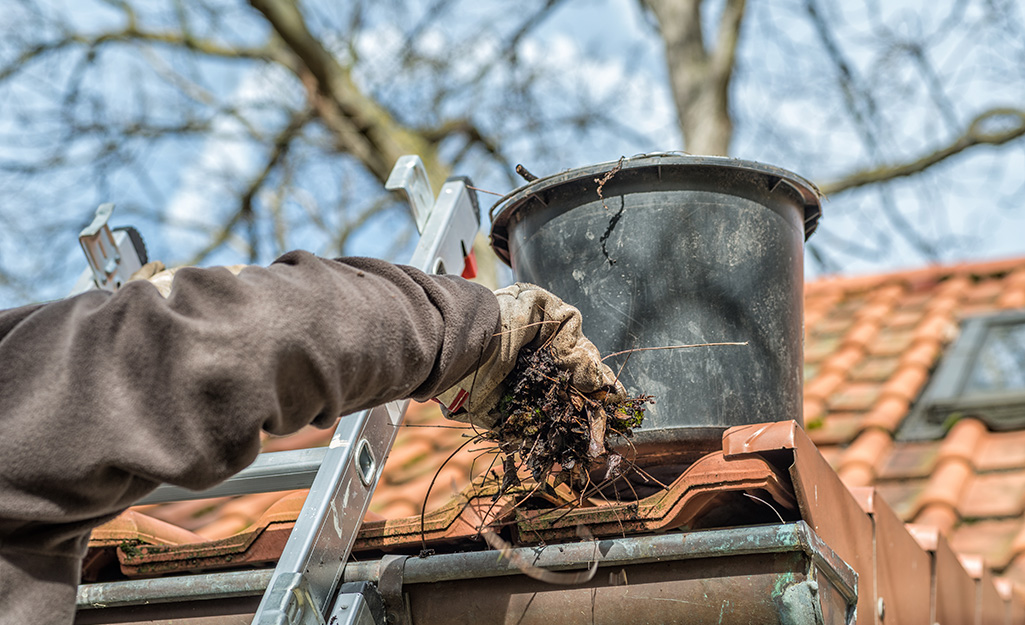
554	430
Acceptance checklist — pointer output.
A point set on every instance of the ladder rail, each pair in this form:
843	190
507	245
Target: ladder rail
306	580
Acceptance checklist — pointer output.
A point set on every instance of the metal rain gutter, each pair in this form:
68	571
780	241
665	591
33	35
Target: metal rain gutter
775	573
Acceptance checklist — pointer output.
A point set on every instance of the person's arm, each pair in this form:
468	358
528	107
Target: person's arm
105	396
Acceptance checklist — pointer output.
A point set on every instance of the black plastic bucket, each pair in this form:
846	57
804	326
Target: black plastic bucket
665	250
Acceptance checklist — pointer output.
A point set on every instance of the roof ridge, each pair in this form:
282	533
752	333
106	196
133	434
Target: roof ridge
936	271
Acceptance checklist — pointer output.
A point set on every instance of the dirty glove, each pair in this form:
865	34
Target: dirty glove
532	317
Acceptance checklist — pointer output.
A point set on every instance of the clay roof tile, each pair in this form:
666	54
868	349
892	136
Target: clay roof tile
994	495
940	516
936	327
870	344
963	439
1012	298
888	413
922	354
862	334
906	384
843	360
945	486
824	385
858	464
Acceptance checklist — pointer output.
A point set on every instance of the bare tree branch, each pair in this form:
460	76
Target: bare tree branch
363	127
976	134
244	213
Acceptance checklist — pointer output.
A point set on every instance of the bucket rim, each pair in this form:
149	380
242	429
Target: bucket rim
502	211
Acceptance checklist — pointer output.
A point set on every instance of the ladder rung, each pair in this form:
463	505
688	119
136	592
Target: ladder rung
271	471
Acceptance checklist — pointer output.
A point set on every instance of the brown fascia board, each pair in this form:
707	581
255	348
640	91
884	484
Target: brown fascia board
953	590
990	607
824	502
902	568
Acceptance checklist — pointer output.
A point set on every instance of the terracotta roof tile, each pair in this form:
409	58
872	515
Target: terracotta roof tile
887	414
817	349
923	354
902	496
862	334
834	326
871	343
814	408
941	516
962	441
937	326
188	514
994	495
892	342
911	460
986	291
854	396
831	454
945	485
905	317
858	464
906	383
837	428
239	514
1013	298
1001	450
843	360
823	385
875	369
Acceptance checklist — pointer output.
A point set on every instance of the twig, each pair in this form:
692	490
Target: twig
535	572
644	349
484	191
529	325
608	176
771	507
423	510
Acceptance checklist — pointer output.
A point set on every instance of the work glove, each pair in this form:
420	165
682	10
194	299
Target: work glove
155	273
530	316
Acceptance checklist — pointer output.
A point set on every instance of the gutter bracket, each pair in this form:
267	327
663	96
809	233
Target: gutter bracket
390	585
801	604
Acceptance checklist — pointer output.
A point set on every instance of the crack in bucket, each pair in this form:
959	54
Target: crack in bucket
608	231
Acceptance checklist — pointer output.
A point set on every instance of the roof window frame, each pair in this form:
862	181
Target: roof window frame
943	402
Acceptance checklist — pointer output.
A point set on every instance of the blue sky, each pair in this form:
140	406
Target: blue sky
603	53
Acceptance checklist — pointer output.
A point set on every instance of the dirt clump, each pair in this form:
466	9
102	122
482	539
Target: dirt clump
553	430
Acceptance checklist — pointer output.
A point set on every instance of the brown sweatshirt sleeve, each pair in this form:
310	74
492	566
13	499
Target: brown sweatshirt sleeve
102	397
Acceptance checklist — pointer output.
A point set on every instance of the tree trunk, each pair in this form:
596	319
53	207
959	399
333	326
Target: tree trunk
698	75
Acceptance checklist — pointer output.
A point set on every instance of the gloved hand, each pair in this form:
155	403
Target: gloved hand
158	276
530	316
